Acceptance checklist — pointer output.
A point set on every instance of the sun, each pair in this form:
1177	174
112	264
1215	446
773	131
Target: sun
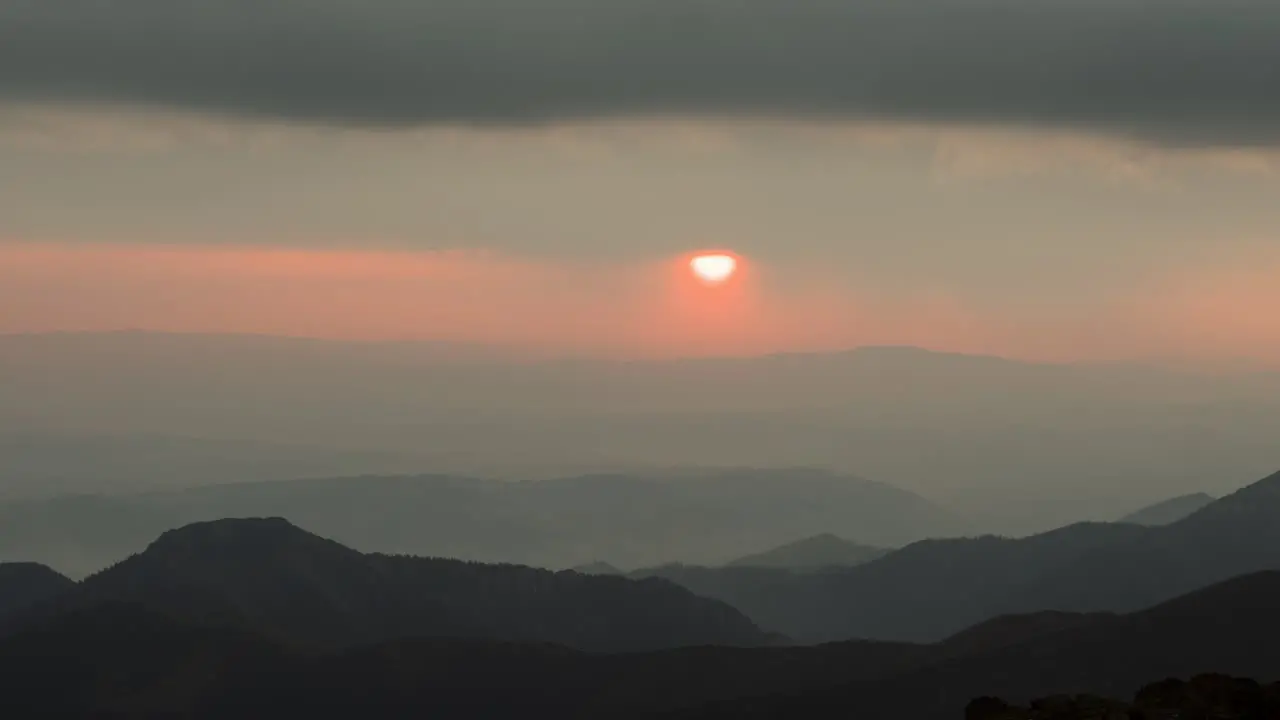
714	268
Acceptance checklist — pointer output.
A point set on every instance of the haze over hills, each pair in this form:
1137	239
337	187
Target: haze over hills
633	521
268	576
819	551
933	588
1023	447
49	464
1168	511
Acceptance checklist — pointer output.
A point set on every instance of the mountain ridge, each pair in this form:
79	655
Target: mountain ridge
931	589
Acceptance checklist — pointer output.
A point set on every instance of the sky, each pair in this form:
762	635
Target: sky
1040	179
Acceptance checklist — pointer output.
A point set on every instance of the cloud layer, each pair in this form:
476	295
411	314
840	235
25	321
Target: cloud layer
1170	71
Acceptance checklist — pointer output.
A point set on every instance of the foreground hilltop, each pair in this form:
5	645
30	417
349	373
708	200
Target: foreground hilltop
272	578
25	584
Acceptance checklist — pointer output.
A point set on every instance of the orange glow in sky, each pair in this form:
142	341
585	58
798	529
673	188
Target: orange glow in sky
683	306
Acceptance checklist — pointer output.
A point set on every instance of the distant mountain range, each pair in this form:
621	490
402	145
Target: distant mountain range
258	619
1023	447
46	464
1168	511
270	577
931	589
708	517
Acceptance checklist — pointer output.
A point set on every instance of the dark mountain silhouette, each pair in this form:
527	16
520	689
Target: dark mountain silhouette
1168	511
1232	536
25	584
707	517
289	585
135	661
819	551
934	588
1220	697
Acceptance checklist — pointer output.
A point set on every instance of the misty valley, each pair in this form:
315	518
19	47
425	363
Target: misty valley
164	575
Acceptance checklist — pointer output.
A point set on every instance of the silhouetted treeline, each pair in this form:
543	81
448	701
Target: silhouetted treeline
1204	697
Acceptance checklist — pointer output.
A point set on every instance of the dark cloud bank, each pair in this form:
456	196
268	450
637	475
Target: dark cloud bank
1171	71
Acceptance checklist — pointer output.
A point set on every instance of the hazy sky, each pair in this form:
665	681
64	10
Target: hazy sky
1041	178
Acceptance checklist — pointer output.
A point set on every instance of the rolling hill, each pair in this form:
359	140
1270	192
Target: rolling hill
1205	631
